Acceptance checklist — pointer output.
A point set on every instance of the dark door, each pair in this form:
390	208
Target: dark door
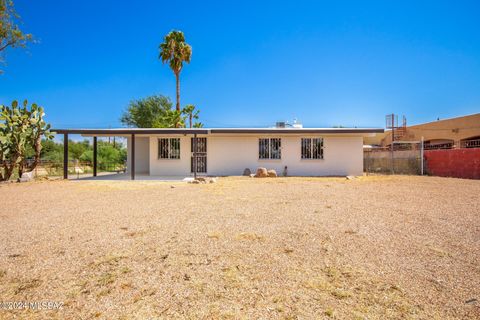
200	144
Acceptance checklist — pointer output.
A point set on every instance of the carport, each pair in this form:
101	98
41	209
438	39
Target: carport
130	133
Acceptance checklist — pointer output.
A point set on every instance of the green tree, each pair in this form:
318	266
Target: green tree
175	51
21	130
76	149
51	151
171	119
151	112
10	33
109	156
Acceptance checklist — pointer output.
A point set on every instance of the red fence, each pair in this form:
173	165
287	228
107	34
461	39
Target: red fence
458	163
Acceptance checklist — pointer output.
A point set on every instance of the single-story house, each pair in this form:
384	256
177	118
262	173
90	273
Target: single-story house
228	151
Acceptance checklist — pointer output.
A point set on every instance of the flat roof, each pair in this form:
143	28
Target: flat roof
296	130
126	131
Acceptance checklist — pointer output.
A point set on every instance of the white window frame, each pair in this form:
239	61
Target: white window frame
171	153
270	144
320	152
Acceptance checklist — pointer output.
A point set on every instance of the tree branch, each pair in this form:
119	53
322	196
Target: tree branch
7	45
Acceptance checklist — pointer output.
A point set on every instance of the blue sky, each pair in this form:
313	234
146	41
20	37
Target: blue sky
254	62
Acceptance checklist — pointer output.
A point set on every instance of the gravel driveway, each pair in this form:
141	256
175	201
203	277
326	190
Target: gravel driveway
374	247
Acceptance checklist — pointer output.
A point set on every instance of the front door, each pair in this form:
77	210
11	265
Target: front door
200	144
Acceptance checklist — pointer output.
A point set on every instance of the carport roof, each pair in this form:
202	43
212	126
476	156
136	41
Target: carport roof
128	131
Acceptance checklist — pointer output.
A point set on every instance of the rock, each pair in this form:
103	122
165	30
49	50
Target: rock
27	176
261	173
247	172
272	173
203	180
350	177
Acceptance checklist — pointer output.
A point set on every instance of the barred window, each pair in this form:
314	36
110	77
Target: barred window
169	148
312	148
270	148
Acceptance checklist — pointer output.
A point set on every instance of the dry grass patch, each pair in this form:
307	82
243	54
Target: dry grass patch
22	285
250	236
368	297
214	235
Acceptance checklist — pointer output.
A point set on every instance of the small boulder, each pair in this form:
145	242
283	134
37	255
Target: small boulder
202	179
272	173
261	173
27	176
212	180
247	172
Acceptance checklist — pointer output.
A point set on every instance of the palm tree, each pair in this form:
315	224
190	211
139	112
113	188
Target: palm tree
175	51
191	113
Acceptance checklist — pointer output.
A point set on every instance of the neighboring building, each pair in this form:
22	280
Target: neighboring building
448	133
219	152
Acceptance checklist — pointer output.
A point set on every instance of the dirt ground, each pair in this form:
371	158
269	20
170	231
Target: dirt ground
286	248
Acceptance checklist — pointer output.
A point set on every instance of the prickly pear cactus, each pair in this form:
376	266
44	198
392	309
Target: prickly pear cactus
20	127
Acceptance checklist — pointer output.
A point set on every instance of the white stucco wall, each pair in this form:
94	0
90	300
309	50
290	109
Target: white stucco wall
230	155
170	167
142	151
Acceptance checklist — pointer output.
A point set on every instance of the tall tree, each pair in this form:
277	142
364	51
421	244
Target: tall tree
175	51
151	112
10	33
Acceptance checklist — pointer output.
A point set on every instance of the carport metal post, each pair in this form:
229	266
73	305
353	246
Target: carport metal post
65	156
132	162
195	156
94	156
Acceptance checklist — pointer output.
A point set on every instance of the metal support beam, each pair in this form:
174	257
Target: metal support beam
195	156
132	160
65	156
94	156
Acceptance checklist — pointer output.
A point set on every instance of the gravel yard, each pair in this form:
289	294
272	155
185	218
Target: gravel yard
374	247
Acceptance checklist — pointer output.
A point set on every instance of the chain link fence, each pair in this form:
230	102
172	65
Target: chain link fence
403	158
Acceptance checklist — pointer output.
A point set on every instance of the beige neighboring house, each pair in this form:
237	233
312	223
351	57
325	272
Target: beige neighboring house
297	151
449	133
